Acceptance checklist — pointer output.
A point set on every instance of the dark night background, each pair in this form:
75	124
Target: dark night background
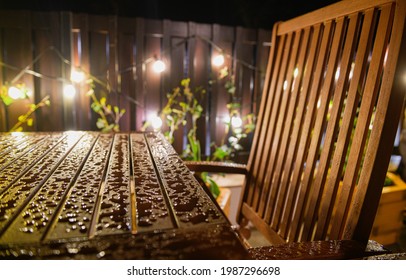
246	13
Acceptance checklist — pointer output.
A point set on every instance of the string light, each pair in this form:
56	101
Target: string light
155	121
236	122
158	66
15	93
69	91
77	76
218	60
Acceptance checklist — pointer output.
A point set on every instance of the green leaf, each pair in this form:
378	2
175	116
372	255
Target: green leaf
213	186
96	107
7	100
221	153
108	128
100	123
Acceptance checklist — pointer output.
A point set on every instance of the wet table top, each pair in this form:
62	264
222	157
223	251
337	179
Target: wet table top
89	195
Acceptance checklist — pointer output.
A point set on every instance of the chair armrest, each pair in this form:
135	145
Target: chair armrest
216	167
315	250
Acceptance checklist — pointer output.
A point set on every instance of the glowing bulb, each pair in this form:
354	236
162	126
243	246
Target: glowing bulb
155	121
69	91
236	122
218	60
158	66
77	76
15	93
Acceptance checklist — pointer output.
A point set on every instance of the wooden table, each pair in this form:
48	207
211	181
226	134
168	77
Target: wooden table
89	195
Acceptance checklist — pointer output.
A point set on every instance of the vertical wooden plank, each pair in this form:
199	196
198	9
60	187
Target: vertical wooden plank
46	39
152	48
16	36
200	68
3	116
99	58
127	61
113	75
69	107
81	61
246	69
140	113
223	37
175	34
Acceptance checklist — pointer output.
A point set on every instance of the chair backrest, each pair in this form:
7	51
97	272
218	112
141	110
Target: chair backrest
331	105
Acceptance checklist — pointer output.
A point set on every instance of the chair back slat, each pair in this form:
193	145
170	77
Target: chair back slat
296	105
297	154
301	192
280	116
258	147
327	122
354	157
272	138
331	148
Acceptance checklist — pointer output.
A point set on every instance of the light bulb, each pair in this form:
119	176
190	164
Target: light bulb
218	60
77	76
155	121
158	66
236	122
69	91
15	93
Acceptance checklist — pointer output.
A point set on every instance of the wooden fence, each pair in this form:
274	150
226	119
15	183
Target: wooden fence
40	49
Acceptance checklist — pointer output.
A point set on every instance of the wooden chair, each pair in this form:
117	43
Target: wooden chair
332	100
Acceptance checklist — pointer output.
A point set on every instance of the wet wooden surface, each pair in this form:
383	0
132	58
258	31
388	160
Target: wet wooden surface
88	195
